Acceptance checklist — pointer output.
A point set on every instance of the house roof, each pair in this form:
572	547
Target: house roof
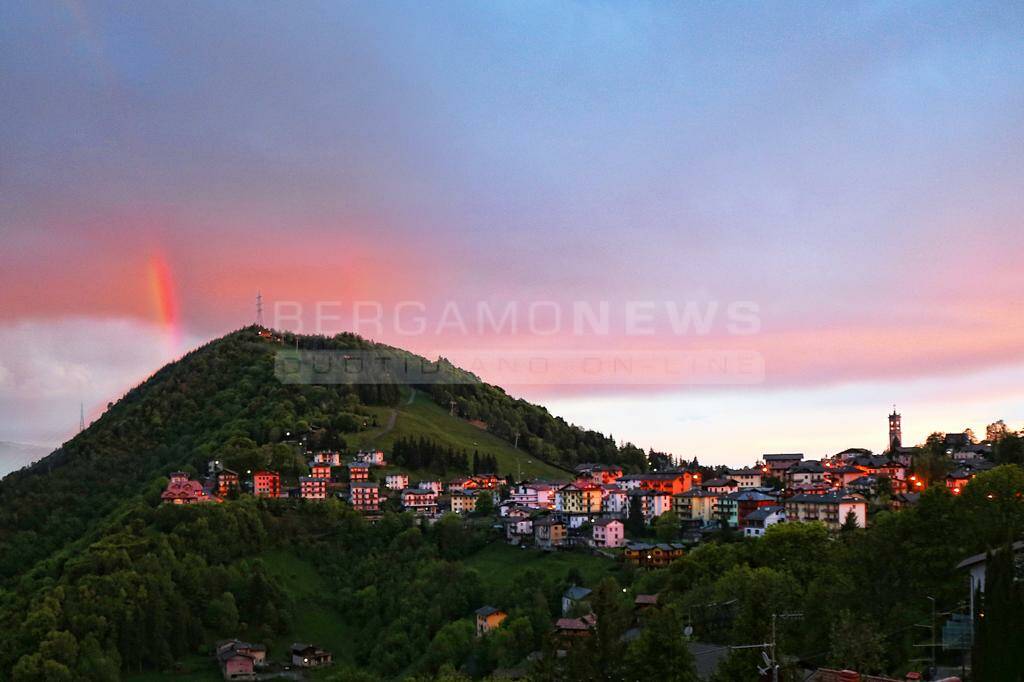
749	471
981	558
875	461
750	496
763	513
299	647
718	482
656	476
363	484
485	611
606	522
576	593
782	456
698	492
646	599
834	497
809	467
584	623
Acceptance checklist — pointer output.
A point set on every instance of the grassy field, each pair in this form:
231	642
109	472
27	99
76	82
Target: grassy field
423	417
499	563
315	622
193	669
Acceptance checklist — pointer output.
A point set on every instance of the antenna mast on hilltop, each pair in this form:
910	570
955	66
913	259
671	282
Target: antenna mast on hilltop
259	309
81	417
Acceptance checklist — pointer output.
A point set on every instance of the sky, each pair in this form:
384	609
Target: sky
822	201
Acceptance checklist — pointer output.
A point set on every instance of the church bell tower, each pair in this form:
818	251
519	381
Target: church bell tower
895	432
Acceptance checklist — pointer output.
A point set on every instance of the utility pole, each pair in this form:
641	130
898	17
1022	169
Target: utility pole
932	599
775	660
774	643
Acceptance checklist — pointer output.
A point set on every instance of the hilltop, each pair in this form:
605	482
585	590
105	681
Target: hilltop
223	399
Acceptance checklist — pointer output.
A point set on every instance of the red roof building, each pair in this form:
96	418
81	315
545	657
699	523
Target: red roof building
181	490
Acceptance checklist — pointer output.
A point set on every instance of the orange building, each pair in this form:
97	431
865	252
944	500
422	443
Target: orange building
320	470
488	618
671	482
266	484
358	472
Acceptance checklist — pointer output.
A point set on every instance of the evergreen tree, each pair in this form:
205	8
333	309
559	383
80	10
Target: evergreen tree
635	520
998	654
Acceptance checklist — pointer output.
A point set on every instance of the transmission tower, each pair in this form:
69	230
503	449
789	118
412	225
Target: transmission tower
259	309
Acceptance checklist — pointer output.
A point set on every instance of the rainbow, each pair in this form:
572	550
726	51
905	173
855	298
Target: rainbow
165	300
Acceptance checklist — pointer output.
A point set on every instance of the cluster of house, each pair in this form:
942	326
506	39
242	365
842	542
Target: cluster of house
240	660
592	509
426	498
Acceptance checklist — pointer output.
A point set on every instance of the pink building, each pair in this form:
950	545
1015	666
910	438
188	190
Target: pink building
181	490
609	533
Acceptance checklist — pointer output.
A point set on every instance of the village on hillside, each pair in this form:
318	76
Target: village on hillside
646	519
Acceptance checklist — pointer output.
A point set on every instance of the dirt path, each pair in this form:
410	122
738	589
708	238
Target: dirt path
393	417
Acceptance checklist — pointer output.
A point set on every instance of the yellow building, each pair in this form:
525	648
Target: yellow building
696	504
463	503
570	499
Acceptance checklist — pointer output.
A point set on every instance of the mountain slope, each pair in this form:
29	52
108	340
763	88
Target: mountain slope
223	399
418	416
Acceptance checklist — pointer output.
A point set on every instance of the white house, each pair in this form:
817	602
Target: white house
616	500
436	486
758	521
396	481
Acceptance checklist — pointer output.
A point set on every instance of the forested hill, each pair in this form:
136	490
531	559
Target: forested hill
223	399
